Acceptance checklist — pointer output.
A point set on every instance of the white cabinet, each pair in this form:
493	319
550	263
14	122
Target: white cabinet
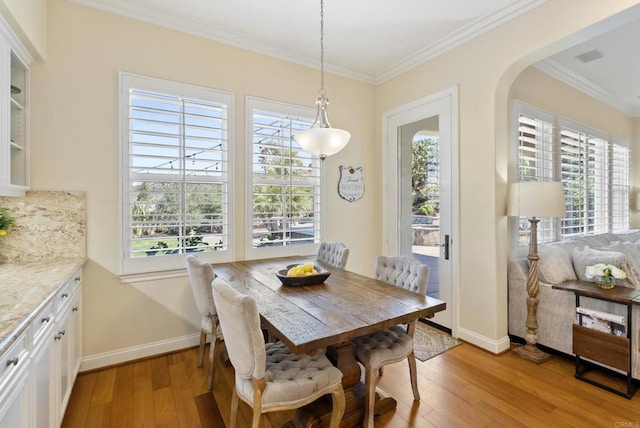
38	371
14	115
15	397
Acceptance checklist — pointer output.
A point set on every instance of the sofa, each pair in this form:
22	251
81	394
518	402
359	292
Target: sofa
565	261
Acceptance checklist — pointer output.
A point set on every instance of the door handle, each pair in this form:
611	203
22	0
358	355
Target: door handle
446	247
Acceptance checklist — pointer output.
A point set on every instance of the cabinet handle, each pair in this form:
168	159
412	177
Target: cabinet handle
13	361
57	337
61	332
78	279
64	296
45	319
74	309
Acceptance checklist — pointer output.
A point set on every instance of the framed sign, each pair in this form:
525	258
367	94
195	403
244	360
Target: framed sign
351	183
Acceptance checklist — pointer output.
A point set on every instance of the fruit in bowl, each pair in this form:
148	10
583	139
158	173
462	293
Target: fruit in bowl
302	270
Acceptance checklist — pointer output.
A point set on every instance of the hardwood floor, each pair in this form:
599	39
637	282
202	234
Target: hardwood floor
463	387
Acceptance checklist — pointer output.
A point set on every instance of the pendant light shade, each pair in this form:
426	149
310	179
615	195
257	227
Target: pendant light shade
321	139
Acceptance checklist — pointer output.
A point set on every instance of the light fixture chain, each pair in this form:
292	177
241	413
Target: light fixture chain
322	90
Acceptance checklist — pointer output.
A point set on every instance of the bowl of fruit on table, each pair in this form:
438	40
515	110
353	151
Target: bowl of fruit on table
302	274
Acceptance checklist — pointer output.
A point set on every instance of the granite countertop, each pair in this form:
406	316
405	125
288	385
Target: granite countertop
25	287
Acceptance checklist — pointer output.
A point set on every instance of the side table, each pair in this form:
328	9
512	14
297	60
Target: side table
601	347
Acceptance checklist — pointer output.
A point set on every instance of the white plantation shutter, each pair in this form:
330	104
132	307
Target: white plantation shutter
619	200
593	168
536	155
285	200
175	173
585	174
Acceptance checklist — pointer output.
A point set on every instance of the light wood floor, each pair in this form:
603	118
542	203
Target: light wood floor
463	387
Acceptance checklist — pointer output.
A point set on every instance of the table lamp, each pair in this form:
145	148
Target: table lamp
534	199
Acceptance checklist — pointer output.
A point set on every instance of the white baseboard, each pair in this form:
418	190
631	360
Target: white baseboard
495	346
119	356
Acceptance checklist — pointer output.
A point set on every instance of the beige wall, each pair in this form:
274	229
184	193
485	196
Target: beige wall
484	70
28	19
75	147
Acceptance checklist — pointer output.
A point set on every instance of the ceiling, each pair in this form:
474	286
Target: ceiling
374	40
368	40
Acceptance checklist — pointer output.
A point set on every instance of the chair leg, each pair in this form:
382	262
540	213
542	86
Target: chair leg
414	377
212	364
203	342
338	407
370	380
255	421
234	409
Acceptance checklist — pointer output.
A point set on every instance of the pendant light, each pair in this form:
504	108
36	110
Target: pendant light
321	139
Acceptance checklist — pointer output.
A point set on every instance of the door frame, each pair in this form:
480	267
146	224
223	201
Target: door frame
391	121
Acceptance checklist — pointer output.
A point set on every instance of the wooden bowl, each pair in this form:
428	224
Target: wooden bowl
296	281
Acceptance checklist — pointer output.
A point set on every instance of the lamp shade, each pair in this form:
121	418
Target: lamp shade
536	199
323	142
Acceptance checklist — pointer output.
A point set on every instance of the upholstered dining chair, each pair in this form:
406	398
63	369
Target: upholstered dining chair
268	376
200	277
333	254
392	344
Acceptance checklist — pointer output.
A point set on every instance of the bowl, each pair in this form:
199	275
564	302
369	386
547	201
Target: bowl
295	281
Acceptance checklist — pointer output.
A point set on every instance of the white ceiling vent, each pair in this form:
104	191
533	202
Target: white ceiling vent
590	56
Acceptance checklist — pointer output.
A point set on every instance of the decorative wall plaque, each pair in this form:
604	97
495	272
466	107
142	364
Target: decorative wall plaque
351	183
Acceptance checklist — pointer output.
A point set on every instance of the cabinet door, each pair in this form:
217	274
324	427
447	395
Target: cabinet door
63	363
41	377
75	330
15	401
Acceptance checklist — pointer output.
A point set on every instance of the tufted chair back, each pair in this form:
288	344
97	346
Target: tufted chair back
269	377
240	321
333	254
405	272
200	277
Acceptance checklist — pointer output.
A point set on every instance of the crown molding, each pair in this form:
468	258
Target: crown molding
474	29
231	37
562	73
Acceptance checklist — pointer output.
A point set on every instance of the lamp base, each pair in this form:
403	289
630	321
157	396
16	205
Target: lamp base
532	353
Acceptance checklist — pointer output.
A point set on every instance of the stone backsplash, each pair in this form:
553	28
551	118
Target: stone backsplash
48	224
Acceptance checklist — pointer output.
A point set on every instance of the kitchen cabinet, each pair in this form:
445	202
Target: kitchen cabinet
15	394
14	115
38	371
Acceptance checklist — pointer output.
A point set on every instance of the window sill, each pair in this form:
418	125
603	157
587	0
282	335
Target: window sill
133	278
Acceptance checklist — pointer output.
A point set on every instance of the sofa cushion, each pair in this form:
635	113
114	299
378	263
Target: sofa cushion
589	257
555	264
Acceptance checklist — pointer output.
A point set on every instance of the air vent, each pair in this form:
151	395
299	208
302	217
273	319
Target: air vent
590	56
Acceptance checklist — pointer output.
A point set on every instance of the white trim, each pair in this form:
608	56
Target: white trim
251	253
495	346
235	38
136	268
562	73
476	28
391	121
151	349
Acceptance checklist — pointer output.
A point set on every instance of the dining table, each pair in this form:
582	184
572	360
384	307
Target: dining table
327	317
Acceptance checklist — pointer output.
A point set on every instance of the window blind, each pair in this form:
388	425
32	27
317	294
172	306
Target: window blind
286	182
176	173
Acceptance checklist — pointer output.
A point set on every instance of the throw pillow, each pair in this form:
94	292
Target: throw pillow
632	253
589	257
555	264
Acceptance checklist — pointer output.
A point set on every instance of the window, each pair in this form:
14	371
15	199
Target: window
593	168
175	189
536	162
285	203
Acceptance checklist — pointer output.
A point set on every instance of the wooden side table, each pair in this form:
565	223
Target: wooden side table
601	347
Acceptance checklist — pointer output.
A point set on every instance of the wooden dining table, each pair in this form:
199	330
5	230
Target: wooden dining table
328	316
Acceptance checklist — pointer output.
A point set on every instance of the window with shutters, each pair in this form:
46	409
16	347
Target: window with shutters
175	163
593	168
285	207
